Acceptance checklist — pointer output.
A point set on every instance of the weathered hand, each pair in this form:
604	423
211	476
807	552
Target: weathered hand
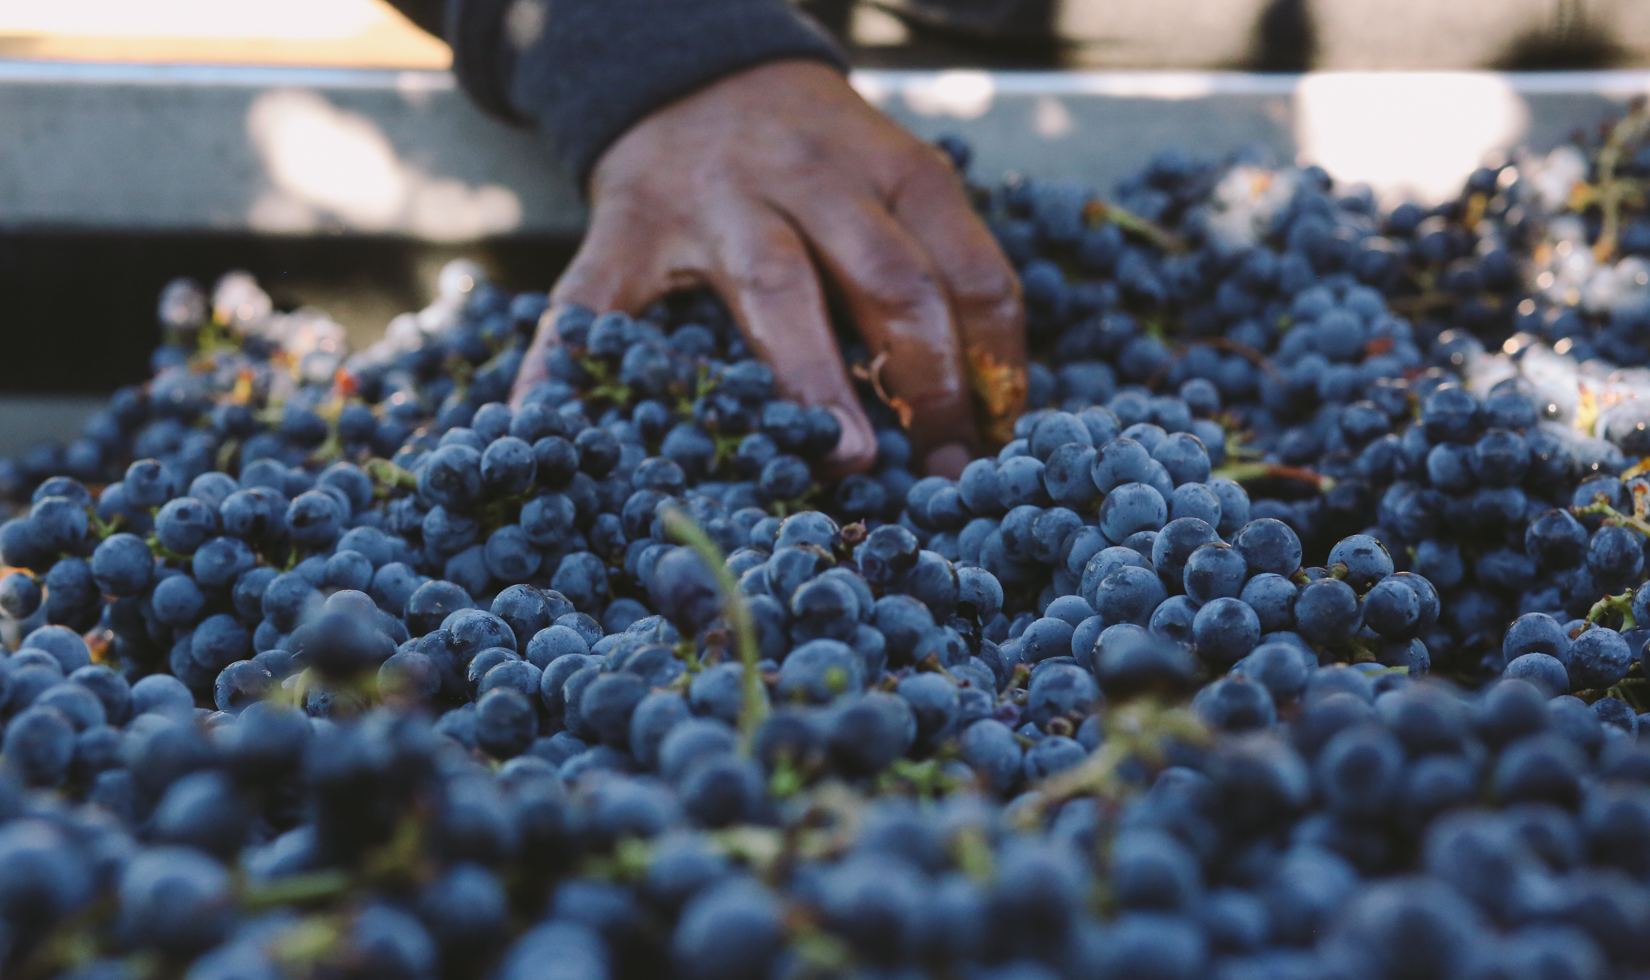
779	183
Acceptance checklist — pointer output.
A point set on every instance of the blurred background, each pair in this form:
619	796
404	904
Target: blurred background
1250	35
321	145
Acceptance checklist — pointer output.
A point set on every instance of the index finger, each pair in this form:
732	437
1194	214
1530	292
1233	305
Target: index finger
762	270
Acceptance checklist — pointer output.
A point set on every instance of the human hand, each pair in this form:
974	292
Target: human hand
777	184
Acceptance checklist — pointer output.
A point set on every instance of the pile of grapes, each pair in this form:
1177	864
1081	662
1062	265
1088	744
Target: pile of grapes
1296	634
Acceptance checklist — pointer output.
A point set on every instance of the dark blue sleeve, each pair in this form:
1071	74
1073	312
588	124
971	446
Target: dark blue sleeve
585	70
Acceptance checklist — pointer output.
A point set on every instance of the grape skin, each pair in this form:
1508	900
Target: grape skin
505	650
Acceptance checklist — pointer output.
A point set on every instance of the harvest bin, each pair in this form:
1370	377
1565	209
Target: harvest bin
347	188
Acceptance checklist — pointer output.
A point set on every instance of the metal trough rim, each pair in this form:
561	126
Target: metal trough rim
1088	82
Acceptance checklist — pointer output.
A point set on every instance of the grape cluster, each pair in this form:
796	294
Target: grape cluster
1260	296
1477	494
375	636
332	664
1344	352
1586	284
1341	821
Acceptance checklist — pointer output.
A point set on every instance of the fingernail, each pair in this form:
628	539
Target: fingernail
947	461
858	444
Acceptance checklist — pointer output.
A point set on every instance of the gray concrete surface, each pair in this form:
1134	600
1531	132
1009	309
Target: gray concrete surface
279	150
1247	35
1408	134
305	151
26	420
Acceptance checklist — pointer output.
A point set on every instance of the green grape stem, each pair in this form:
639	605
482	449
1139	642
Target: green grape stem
1099	212
1610	191
1619	604
103	528
606	385
302	888
226	454
386	476
161	551
681	528
1250	472
1600	507
1142	730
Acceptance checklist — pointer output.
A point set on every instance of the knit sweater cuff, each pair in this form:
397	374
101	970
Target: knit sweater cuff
587	70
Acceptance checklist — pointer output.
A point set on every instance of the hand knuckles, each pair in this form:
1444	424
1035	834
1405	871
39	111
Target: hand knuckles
928	170
898	286
923	161
807	158
987	286
770	271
